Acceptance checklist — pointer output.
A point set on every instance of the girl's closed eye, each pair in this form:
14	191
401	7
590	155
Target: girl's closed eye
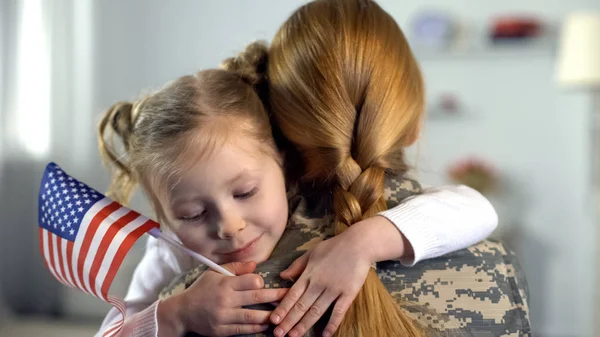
246	195
194	217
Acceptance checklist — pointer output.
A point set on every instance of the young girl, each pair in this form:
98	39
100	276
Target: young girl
203	151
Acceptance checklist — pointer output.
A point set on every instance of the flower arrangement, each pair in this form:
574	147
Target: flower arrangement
475	173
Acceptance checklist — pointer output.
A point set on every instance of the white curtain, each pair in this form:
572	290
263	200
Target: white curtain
45	66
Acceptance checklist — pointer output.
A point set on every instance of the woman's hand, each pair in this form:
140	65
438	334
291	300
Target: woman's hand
212	306
334	271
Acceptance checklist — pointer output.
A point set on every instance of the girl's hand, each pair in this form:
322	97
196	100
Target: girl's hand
212	306
334	270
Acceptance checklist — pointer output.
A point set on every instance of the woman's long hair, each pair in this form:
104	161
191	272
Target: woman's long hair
345	89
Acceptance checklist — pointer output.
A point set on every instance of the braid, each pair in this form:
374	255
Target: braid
350	102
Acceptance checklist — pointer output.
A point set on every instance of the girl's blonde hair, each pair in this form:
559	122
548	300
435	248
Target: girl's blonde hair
153	140
345	89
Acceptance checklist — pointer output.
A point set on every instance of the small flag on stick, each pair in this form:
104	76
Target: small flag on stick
85	236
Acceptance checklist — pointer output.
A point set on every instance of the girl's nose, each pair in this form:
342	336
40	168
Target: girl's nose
230	225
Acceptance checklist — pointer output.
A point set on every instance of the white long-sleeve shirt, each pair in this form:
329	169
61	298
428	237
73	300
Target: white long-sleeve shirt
437	222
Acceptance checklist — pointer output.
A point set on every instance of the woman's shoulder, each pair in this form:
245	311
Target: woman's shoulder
482	285
399	187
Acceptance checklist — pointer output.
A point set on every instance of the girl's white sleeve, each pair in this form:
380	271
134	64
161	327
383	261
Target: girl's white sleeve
158	267
442	220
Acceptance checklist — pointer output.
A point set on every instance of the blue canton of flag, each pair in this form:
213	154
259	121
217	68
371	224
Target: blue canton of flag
63	202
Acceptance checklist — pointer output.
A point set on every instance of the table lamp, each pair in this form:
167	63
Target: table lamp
578	67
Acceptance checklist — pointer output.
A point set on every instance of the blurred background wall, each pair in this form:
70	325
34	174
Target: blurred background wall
511	113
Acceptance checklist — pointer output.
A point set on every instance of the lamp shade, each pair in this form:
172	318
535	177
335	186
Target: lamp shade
579	55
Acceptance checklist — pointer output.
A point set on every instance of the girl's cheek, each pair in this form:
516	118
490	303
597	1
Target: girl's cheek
193	237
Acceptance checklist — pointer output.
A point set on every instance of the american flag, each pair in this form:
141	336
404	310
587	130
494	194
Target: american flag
84	236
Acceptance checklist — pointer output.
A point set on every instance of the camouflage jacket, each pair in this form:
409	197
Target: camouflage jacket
479	291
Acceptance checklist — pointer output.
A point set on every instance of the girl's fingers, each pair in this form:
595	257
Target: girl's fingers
258	296
339	310
248	316
288	301
297	311
246	282
314	313
296	268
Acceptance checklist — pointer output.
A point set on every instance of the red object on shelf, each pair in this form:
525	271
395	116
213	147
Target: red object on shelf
515	27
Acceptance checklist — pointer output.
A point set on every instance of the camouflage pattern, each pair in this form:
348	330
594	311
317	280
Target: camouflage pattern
479	291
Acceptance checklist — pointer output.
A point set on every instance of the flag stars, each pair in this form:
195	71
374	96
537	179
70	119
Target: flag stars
63	203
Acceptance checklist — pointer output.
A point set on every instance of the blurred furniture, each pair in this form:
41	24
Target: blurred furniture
515	28
579	67
579	54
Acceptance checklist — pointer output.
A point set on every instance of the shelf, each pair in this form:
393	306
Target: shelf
489	51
